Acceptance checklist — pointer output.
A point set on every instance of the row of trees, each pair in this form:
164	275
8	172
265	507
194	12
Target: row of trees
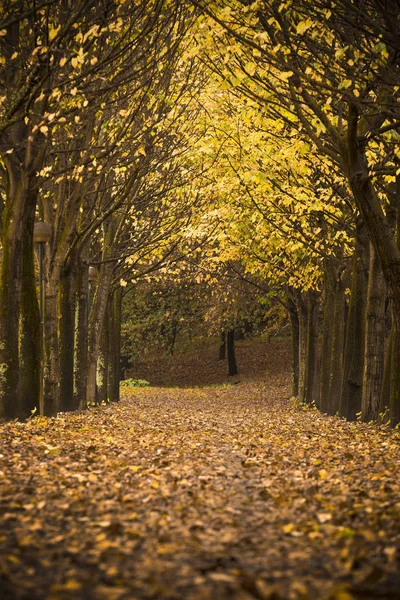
311	99
245	142
92	97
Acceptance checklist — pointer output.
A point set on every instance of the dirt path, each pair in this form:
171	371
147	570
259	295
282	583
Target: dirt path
215	493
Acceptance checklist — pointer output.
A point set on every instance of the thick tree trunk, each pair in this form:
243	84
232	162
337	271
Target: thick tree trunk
374	341
294	328
230	347
353	362
81	337
67	292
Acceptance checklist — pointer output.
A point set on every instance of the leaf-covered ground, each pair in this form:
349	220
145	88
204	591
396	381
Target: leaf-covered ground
205	493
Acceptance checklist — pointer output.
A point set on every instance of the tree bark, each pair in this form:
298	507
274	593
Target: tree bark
222	346
294	328
103	365
337	347
81	337
312	357
301	307
374	341
67	293
29	345
353	361
326	342
380	232
115	346
10	294
230	346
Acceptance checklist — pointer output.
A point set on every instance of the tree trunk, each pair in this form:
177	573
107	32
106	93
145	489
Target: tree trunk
294	328
326	343
81	337
353	361
97	315
67	292
115	346
303	322
230	346
10	294
103	361
29	345
380	232
374	341
312	357
337	347
394	407
222	346
51	376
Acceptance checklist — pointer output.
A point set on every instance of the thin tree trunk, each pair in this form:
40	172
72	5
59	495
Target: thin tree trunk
312	358
51	375
67	292
97	315
303	322
336	349
384	401
394	408
81	337
326	344
294	328
353	361
103	361
374	341
115	346
230	346
29	350
222	346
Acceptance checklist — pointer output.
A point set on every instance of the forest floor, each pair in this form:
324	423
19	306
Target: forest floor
222	492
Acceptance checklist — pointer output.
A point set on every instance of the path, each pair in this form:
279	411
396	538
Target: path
215	493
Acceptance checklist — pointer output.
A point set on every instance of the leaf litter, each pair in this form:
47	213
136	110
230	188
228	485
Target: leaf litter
204	493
